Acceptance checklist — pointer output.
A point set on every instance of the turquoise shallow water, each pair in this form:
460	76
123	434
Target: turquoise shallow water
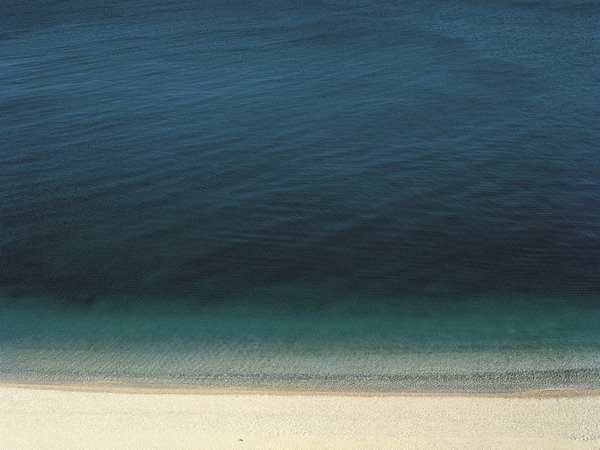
330	194
476	345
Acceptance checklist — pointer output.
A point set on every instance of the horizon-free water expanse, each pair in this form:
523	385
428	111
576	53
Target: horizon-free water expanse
364	195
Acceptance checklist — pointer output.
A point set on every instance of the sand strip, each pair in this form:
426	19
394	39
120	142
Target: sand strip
63	418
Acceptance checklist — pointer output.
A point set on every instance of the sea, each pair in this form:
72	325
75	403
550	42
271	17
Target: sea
367	195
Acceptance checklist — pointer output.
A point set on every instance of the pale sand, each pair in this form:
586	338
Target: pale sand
105	418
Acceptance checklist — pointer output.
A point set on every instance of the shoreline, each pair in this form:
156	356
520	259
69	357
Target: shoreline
171	389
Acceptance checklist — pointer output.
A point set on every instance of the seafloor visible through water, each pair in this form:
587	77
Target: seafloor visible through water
327	195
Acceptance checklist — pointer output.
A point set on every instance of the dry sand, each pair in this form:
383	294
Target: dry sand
65	418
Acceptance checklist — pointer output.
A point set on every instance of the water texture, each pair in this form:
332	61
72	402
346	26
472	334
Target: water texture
378	193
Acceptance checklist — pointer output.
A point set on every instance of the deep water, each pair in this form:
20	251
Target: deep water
383	193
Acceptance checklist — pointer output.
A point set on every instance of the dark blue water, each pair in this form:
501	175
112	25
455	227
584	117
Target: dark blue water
296	178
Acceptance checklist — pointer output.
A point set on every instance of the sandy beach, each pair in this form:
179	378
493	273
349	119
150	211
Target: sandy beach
33	417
